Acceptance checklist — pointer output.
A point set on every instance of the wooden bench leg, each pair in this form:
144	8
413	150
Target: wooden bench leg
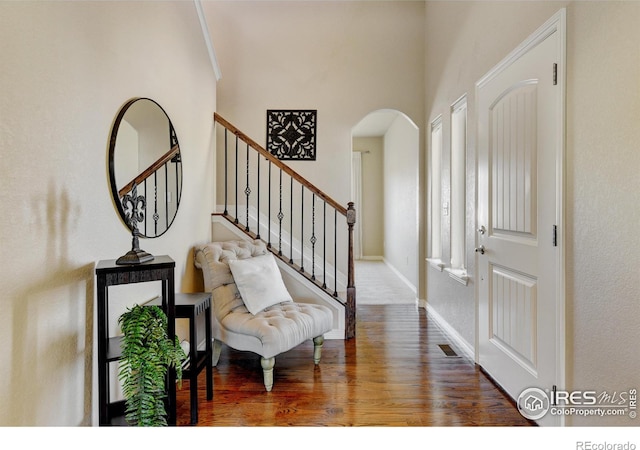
317	348
267	368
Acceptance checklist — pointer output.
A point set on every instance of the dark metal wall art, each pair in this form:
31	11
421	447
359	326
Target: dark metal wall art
291	134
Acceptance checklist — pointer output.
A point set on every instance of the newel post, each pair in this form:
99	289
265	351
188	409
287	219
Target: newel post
350	331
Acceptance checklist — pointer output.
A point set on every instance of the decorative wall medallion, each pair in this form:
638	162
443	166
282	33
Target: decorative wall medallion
291	135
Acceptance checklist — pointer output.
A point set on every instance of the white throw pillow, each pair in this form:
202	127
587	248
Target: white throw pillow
259	282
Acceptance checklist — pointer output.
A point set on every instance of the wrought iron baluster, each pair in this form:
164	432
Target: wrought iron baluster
324	247
269	211
313	237
291	222
280	217
156	216
226	212
178	193
166	195
302	228
236	219
247	191
335	252
258	208
145	207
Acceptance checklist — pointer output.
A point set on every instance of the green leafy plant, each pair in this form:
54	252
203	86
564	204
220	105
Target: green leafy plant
147	353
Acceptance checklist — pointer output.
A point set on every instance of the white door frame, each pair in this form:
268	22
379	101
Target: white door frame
557	24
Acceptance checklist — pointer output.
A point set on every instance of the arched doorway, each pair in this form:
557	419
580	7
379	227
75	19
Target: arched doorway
385	188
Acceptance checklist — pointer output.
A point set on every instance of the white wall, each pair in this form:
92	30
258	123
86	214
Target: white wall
463	41
603	187
345	59
67	68
401	198
341	58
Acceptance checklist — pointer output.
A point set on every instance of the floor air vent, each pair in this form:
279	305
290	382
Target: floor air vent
447	350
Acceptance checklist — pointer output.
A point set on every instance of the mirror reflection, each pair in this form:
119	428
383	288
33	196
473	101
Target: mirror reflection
145	162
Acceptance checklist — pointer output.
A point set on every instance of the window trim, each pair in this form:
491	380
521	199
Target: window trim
435	195
459	148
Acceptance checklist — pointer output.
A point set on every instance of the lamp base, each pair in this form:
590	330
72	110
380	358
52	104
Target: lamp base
134	257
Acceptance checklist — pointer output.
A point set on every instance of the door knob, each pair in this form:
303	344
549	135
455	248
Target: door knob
480	250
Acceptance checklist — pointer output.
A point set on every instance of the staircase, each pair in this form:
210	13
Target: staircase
301	225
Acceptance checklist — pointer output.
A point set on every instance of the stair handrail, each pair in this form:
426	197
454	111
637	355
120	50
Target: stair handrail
155	166
288	170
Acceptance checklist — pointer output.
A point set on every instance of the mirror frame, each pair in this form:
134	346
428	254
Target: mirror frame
115	195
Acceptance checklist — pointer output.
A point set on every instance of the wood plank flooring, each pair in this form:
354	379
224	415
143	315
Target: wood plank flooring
392	374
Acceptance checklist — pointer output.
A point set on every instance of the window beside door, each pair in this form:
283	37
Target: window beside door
458	269
435	258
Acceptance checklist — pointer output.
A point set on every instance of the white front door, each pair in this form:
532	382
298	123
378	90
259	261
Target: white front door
520	118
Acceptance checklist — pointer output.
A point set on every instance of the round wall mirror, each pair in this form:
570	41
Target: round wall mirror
145	167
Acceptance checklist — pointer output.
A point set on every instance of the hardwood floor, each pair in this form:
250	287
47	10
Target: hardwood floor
392	374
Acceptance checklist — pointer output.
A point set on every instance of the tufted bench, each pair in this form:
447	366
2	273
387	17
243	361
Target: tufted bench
269	332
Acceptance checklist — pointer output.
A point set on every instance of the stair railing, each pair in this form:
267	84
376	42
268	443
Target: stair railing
315	240
153	184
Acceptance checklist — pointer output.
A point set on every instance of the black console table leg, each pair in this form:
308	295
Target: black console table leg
193	361
209	352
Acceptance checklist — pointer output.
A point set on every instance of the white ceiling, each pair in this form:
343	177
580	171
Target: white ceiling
375	124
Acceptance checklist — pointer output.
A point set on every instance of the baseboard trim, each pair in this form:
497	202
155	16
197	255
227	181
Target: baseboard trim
372	258
451	332
402	277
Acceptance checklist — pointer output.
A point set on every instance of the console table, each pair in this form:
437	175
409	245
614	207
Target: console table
108	273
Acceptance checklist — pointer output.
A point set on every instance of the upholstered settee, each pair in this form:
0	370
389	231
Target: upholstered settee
235	271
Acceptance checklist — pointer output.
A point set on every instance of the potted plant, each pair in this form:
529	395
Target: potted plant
147	354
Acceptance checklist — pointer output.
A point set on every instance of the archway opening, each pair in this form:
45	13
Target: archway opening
385	188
